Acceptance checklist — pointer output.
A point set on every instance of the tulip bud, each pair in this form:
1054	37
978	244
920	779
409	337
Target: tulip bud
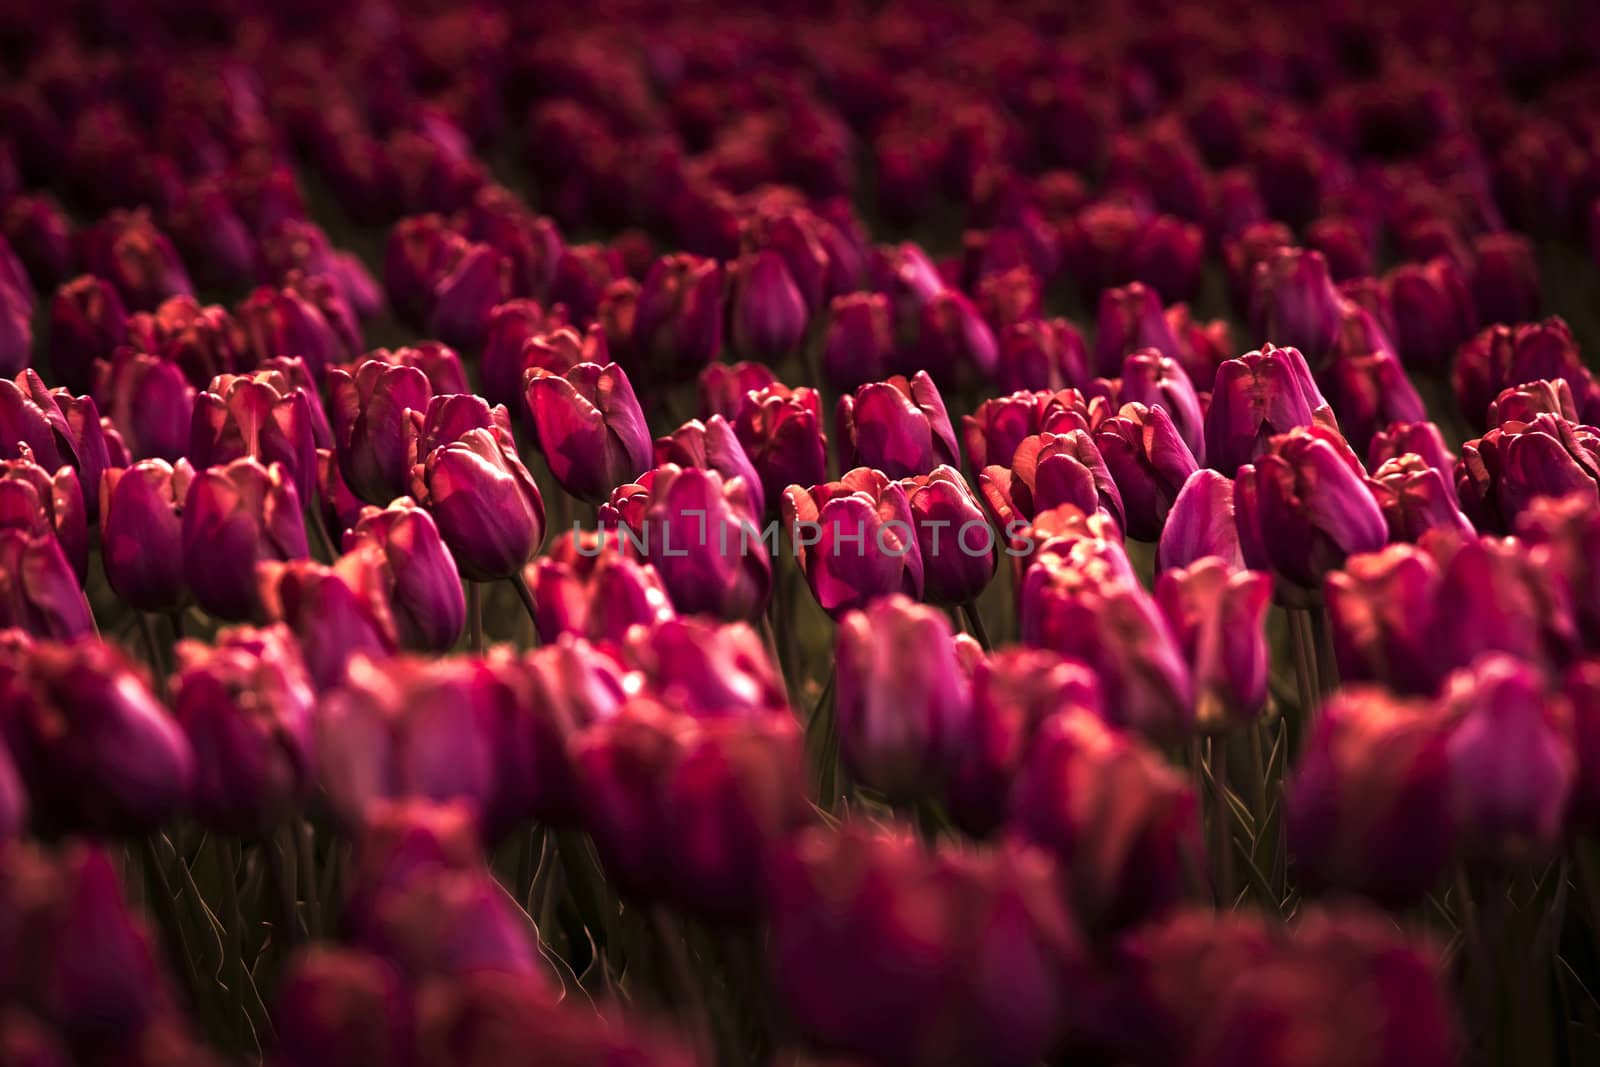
1293	303
337	612
590	426
1420	438
1130	319
1526	402
854	539
1369	392
233	517
1040	354
720	565
583	276
34	502
201	340
712	445
1149	463
149	401
420	251
1010	297
1200	524
1502	357
898	426
129	251
371	423
1154	380
1217	615
284	322
501	367
141	533
1494	596
1257	396
1304	506
41	235
1345	244
1086	604
707	670
722	387
39	591
1048	470
98	753
87	323
953	342
1562	537
677	326
424	592
769	313
1512	764
337	1005
1501	473
477	283
596	594
1121	871
57	428
483	499
246	706
957	544
859	344
263	416
1416	498
780	430
449	925
1433	312
993	434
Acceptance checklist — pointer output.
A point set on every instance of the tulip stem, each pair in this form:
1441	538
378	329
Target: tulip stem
320	529
1222	816
233	918
167	915
975	624
1305	660
475	614
152	649
686	991
306	868
519	582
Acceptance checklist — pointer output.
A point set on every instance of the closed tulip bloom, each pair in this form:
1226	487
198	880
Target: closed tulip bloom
959	547
1503	357
583	276
1122	823
677	326
903	701
1048	470
339	1005
1512	764
1501	473
1496	596
129	251
954	344
284	322
712	445
508	328
1086	605
247	708
1149	463
1256	396
97	751
1130	319
426	602
1014	692
1416	498
235	516
203	341
41	235
769	314
1200	523
721	387
464	295
262	416
590	427
1420	438
149	401
1040	354
1505	278
1433	311
707	670
1304	506
87	323
421	250
1002	423
450	924
370	424
854	539
37	503
39	591
1369	807
337	612
858	346
1563	536
1293	303
1346	245
899	426
597	594
1526	402
482	498
1370	392
59	428
781	431
141	533
705	544
1154	380
1218	616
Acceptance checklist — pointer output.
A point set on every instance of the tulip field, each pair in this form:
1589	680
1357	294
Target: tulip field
871	533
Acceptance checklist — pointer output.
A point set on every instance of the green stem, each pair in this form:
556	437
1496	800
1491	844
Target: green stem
475	615
1222	816
975	623
519	582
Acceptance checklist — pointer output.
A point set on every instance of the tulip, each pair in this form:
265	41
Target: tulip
897	426
1526	402
1167	256
780	431
262	416
859	344
1369	807
1503	357
233	517
1040	354
449	925
1154	380
508	328
149	401
1293	303
34	502
1002	423
1345	244
1200	523
1217	614
337	612
1420	438
1581	688
1304	506
1014	692
722	387
338	1005
215	242
590	426
720	565
246	707
141	533
1257	396
1130	319
57	428
284	322
1505	278
128	250
707	670
1121	822
1371	392
87	323
98	752
712	445
463	296
903	701
1086	604
953	341
481	496
1501	473
1010	297
201	340
1416	498
957	544
598	594
1512	764
867	512
39	591
41	235
1433	311
1048	470
1562	538
1494	596
1149	463
420	251
424	592
769	313
677	328
1243	251
370	424
583	274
